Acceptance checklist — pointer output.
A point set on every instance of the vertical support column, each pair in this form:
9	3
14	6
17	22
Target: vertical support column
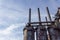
47	31
48	14
37	33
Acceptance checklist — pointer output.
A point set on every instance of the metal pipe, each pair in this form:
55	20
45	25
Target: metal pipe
29	15
39	16
48	14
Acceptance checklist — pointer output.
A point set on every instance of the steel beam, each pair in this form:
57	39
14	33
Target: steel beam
41	22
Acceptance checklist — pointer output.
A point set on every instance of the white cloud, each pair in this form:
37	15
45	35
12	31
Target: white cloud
9	35
9	29
10	14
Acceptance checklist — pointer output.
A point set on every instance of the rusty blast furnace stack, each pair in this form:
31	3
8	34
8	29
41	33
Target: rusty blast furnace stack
43	30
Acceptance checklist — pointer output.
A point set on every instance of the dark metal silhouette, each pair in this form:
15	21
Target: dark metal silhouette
45	30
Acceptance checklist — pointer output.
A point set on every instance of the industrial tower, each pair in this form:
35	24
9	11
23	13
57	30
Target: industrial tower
43	30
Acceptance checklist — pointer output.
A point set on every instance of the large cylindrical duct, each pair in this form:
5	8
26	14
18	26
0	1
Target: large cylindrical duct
29	33
41	34
53	33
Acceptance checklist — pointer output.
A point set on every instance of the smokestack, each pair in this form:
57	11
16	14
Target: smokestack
29	16
39	16
48	14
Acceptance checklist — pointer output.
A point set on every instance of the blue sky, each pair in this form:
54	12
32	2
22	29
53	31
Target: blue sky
14	15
